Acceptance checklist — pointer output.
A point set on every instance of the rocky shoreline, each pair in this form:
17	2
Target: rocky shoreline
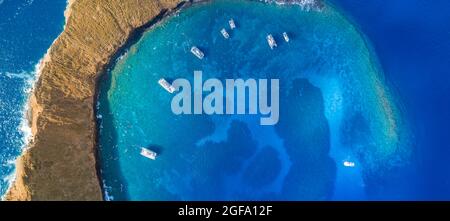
60	160
60	163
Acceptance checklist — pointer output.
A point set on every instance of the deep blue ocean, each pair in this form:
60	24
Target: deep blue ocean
27	29
411	40
398	49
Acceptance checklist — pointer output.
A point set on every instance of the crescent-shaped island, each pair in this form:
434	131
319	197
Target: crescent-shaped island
340	123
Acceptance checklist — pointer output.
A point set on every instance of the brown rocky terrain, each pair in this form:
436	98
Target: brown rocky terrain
60	162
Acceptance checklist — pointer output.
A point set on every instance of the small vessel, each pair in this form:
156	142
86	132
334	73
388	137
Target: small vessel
148	153
349	164
232	24
286	37
225	33
199	54
164	84
271	41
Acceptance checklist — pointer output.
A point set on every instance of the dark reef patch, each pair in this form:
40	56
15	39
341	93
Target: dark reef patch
306	135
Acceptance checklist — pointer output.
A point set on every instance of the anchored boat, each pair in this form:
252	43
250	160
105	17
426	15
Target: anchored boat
225	33
199	54
349	164
286	37
148	153
271	41
164	84
232	24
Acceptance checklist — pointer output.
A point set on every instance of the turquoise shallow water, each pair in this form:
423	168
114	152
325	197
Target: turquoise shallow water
334	106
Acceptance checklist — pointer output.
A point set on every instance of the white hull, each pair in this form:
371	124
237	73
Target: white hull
286	37
148	153
225	33
164	84
232	24
271	41
199	54
349	164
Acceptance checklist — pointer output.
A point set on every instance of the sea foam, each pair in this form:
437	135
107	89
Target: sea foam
24	128
30	80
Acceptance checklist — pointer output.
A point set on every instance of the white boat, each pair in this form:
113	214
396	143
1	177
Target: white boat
271	41
232	24
164	84
349	164
225	33
199	54
148	153
286	37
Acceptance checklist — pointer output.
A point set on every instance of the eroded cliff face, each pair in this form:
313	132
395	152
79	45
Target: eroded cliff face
60	162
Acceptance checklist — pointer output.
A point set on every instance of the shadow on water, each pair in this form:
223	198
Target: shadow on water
106	153
155	148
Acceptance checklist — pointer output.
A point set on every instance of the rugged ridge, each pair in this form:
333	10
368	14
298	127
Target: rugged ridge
60	162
